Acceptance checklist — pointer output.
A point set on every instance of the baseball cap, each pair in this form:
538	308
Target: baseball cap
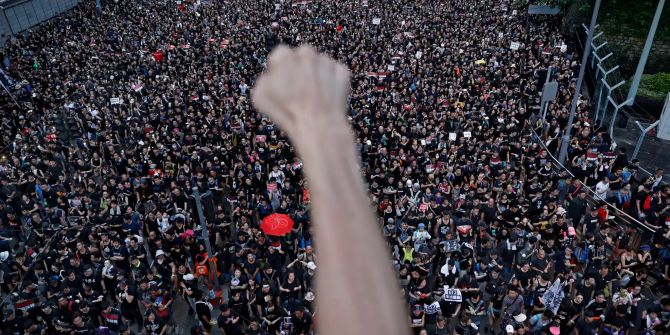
509	329
160	252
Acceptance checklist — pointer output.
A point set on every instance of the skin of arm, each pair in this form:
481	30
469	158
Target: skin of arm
353	262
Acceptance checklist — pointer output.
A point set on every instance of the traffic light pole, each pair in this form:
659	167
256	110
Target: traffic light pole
205	236
573	108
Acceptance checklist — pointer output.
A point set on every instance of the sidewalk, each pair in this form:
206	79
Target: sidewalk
654	152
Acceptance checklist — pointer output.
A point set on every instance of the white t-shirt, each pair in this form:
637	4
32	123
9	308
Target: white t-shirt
602	189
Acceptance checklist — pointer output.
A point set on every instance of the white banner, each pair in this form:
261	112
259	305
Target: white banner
553	296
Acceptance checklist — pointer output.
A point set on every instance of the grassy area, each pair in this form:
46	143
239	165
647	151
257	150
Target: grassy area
654	86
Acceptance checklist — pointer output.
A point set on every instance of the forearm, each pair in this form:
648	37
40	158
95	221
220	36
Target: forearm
350	246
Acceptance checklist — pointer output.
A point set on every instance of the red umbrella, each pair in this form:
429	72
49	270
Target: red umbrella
277	224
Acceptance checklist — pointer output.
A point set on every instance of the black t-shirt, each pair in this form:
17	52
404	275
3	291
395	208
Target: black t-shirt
202	309
301	325
86	329
462	329
154	327
229	325
598	308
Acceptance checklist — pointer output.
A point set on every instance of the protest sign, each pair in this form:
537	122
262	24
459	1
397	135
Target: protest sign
452	136
451	246
467	134
553	296
115	101
376	21
390	67
418	54
514	45
452	295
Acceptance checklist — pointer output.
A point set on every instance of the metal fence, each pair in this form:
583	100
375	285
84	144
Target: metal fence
631	127
639	230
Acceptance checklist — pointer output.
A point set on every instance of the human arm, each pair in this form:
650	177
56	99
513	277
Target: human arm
311	111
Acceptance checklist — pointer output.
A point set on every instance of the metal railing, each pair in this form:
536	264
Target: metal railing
620	217
610	97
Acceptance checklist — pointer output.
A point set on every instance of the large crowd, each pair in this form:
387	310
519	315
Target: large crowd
100	234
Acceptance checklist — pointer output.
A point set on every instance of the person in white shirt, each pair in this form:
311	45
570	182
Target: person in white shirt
278	175
602	188
420	236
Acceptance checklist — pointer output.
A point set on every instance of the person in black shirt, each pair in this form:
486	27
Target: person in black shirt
81	327
204	312
466	327
153	325
111	317
129	307
229	324
302	321
597	306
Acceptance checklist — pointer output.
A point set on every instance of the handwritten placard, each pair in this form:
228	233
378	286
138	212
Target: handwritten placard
452	295
115	101
515	45
467	134
376	21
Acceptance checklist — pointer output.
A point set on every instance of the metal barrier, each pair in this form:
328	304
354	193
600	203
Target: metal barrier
627	126
620	217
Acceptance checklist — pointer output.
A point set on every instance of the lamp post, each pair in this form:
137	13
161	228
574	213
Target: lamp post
205	236
580	79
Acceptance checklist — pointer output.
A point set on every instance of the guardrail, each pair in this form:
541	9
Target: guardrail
622	218
602	74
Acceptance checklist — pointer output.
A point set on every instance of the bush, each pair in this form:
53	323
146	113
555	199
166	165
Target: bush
654	86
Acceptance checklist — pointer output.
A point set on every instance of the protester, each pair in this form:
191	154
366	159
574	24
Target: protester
120	113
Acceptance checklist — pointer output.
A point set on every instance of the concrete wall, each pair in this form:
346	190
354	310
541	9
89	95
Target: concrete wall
19	15
629	50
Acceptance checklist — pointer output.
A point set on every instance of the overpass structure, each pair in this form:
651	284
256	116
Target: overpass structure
17	16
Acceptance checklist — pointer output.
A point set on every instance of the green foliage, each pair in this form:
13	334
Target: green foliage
654	86
633	18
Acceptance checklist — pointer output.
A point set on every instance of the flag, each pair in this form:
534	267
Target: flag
553	296
6	81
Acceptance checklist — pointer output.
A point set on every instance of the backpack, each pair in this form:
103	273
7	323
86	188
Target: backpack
647	203
582	253
664	255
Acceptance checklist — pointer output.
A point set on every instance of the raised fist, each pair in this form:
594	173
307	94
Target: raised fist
303	91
